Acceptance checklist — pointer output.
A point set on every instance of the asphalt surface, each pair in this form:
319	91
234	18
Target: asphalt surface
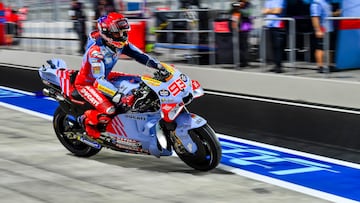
38	169
35	167
313	129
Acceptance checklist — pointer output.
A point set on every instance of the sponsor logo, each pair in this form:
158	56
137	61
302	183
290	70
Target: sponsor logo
108	60
163	100
96	54
135	117
183	78
88	93
164	93
106	90
96	68
195	84
167	107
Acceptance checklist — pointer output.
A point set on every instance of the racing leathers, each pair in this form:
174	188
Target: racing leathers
93	80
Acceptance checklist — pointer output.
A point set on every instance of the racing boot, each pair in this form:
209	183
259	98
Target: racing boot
90	123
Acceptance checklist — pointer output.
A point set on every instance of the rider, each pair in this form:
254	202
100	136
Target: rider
93	80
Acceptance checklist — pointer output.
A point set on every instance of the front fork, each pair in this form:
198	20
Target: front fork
178	131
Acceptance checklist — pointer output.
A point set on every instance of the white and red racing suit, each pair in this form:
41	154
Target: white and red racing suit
93	80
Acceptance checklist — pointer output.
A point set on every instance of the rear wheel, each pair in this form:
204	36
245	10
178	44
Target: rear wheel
62	124
208	155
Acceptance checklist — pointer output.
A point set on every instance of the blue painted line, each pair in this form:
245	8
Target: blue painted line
334	178
28	101
313	173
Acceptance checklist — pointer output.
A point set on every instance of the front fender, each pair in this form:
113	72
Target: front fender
185	122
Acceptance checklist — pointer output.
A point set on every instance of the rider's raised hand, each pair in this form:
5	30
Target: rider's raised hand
163	74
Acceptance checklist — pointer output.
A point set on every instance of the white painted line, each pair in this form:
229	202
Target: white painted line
16	90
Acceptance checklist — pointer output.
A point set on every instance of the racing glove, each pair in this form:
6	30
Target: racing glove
163	74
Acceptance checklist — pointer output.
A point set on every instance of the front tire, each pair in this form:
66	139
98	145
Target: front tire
208	155
61	125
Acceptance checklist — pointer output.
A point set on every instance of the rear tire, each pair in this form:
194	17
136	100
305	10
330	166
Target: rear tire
61	125
208	155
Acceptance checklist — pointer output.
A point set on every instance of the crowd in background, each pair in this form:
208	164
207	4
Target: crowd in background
242	17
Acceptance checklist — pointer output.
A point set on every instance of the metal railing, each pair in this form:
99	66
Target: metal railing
192	32
58	37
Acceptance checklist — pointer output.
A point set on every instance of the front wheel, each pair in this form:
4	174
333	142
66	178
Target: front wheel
208	155
63	124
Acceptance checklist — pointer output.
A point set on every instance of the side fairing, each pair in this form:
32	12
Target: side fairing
136	132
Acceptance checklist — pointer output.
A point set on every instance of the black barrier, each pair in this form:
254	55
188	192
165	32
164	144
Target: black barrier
223	40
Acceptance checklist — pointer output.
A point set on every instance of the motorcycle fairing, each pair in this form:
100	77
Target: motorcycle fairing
172	94
126	83
49	72
140	127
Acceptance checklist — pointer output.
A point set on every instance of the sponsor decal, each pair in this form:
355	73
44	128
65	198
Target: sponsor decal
136	117
106	90
189	148
108	60
195	84
183	78
96	68
167	100
167	107
94	99
164	93
97	54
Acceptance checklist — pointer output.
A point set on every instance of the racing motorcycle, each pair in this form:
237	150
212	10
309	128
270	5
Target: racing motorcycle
157	123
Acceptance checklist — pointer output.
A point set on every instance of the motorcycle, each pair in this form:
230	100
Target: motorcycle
157	123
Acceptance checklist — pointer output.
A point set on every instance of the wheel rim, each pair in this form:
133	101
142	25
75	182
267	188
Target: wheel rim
63	127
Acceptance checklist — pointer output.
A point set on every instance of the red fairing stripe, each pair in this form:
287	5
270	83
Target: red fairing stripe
351	24
118	127
64	76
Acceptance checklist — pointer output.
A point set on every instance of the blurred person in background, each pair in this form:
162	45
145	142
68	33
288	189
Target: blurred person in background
93	81
79	20
276	9
102	8
319	10
241	23
189	4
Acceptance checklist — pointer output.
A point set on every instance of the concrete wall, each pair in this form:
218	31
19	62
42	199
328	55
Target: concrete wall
321	91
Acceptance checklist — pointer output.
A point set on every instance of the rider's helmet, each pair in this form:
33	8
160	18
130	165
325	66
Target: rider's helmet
114	29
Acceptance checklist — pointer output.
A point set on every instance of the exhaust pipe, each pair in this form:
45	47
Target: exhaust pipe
46	92
51	93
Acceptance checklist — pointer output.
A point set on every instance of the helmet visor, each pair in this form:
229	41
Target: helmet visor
119	26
